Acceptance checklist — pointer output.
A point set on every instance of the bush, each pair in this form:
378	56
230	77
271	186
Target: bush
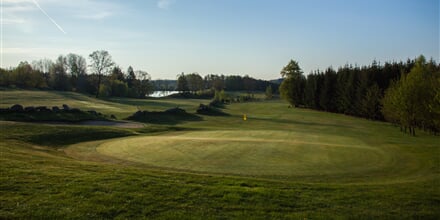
119	88
105	90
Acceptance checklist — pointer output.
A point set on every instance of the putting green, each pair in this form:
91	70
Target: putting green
255	153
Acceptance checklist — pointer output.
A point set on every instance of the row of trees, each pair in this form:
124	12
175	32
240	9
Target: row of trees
102	77
70	73
365	91
194	82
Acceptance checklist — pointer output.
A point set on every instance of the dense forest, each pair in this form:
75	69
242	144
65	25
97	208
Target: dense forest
405	93
194	82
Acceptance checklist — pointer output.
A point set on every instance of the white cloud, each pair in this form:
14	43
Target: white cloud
19	50
13	21
95	16
83	9
10	6
164	4
15	1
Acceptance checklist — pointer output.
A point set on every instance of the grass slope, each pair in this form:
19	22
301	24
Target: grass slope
120	107
342	167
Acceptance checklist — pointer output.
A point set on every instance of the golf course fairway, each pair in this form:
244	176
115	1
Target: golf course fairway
280	163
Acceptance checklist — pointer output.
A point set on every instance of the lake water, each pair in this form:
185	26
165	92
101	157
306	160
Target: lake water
159	94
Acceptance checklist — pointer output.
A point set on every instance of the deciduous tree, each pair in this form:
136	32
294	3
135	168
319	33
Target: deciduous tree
101	64
292	87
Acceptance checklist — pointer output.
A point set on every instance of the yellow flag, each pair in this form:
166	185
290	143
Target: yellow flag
244	117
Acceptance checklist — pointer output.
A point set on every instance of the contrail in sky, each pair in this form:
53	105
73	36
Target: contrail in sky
44	12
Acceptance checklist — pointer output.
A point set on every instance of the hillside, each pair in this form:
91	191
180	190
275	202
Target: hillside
280	163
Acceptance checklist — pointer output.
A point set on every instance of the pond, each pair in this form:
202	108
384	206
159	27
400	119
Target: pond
159	94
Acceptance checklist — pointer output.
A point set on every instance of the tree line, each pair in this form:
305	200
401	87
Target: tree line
405	93
193	82
102	77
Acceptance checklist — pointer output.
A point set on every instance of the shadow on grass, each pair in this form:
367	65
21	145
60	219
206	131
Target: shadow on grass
74	95
164	118
210	110
58	135
215	112
145	102
305	123
61	116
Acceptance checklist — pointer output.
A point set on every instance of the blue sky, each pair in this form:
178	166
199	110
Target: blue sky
254	37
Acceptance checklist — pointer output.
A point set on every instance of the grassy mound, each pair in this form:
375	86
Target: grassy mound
32	114
57	135
255	153
170	116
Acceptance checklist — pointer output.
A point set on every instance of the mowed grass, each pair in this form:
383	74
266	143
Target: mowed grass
276	142
120	107
280	163
254	153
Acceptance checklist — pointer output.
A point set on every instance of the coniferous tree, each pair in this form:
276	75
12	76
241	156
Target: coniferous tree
370	105
327	98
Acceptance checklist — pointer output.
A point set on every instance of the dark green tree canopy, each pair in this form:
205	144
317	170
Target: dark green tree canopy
182	83
292	87
292	70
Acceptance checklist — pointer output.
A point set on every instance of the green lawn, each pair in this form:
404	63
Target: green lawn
279	163
120	107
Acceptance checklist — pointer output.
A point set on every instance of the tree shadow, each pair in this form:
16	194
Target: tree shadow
74	95
305	123
168	117
210	110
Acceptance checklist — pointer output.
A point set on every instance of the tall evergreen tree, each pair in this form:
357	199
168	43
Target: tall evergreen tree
327	98
371	103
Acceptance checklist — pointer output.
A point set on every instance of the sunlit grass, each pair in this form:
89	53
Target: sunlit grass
280	163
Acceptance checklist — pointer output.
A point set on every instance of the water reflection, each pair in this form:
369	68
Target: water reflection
159	94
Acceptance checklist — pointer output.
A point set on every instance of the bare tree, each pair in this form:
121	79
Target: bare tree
58	76
144	86
76	64
44	66
101	64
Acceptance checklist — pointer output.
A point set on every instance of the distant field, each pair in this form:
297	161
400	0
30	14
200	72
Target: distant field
120	107
279	163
